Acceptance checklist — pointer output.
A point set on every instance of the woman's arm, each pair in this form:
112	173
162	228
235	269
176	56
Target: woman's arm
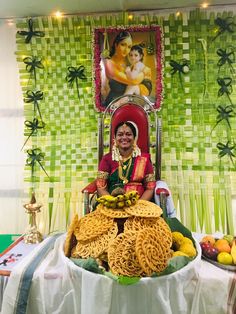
147	195
115	72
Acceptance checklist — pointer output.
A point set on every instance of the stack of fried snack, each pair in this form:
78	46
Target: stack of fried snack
142	248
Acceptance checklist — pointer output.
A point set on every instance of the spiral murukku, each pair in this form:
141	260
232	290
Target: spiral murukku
122	258
97	246
93	225
151	251
113	213
144	208
136	223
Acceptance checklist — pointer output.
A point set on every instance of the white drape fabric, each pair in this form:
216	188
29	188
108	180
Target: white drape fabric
12	159
58	286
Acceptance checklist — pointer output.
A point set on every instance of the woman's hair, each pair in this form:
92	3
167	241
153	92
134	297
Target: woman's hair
129	124
119	37
138	48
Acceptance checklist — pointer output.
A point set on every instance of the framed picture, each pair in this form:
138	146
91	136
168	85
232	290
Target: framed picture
128	61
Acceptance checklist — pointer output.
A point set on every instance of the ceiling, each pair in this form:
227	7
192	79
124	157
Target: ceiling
30	8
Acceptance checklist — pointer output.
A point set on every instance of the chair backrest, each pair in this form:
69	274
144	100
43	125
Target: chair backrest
136	109
134	113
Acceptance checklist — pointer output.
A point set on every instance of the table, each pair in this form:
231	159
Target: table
58	286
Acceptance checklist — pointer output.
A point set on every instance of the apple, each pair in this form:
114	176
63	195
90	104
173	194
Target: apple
205	245
211	253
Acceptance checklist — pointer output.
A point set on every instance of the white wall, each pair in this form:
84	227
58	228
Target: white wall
13	219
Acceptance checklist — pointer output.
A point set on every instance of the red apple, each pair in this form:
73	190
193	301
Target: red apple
211	253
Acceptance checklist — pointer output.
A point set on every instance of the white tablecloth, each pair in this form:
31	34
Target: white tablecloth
60	287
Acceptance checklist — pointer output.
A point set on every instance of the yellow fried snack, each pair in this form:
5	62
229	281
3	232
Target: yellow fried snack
92	225
152	252
70	237
122	258
138	223
97	246
113	213
144	208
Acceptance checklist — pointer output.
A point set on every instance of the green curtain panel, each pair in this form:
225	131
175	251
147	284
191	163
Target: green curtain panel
202	184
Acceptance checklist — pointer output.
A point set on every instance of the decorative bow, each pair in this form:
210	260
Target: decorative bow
226	150
35	155
226	57
34	97
224	113
30	33
180	68
32	63
74	75
225	87
33	126
224	25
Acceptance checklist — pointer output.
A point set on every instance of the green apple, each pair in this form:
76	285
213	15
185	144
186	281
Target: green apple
229	238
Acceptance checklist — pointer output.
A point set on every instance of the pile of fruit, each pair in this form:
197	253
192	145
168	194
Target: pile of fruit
221	250
182	246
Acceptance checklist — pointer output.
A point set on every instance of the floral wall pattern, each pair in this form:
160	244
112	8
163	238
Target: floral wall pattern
198	112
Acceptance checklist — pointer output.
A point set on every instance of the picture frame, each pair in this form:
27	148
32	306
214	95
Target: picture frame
117	73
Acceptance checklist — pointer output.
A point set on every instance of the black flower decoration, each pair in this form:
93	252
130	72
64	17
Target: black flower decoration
226	58
32	63
74	74
180	68
226	150
224	113
31	32
34	97
225	87
224	25
33	126
35	156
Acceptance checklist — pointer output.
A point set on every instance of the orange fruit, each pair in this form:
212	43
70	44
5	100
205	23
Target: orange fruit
222	245
208	238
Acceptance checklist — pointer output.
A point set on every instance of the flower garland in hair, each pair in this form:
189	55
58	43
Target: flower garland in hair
31	32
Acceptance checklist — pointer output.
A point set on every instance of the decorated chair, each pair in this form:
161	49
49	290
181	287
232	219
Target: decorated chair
140	111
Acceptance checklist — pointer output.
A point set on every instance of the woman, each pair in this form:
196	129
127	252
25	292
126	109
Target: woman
126	168
116	65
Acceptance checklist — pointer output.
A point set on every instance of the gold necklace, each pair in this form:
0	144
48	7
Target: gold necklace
123	170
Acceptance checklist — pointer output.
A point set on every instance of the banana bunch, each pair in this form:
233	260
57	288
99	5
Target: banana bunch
119	201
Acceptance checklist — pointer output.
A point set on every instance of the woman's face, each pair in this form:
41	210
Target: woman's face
123	47
124	137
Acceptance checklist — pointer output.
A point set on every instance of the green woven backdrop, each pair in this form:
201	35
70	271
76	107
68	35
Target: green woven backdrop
201	184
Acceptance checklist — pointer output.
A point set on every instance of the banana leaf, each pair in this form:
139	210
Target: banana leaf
174	264
176	225
89	264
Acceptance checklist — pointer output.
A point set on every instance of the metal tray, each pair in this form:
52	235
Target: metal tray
225	267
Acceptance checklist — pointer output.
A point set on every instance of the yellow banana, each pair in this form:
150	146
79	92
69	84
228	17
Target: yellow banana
128	203
233	251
